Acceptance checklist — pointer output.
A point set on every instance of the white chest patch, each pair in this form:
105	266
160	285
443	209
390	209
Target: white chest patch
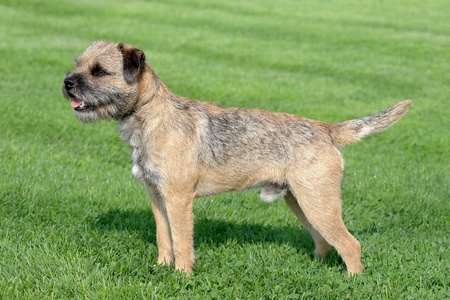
137	172
142	168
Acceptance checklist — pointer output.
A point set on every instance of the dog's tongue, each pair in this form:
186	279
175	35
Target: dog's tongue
75	103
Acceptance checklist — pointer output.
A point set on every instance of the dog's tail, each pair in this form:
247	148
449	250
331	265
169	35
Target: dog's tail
352	131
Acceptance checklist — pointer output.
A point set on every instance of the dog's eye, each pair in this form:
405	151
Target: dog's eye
98	71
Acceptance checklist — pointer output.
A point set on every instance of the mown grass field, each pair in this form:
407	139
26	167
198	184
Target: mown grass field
74	223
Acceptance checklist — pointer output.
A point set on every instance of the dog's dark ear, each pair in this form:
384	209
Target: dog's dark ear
133	63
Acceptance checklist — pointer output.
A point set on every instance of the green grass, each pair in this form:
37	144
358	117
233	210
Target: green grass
73	222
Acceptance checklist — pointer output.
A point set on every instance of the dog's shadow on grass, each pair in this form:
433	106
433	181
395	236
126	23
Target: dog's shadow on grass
212	232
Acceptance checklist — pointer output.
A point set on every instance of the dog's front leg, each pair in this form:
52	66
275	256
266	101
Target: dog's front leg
163	235
179	212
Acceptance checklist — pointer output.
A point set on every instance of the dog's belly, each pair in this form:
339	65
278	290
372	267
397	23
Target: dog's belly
269	192
210	185
208	188
231	178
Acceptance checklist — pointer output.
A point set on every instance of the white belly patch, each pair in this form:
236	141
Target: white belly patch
270	193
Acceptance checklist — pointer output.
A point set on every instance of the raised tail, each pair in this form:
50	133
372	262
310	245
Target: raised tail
352	131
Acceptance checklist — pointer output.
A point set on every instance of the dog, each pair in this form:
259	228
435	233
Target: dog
184	149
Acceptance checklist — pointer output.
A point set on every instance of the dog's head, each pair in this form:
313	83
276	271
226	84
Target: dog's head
105	81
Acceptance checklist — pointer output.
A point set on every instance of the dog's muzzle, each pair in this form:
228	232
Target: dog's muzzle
71	82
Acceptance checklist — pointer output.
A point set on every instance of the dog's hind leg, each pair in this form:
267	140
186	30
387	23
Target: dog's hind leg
317	189
321	246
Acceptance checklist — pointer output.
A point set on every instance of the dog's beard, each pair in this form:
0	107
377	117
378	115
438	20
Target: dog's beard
91	104
96	114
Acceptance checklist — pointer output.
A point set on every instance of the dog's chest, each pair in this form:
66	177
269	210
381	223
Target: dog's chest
137	165
143	168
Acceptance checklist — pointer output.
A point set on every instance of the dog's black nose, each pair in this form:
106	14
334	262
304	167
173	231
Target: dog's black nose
69	82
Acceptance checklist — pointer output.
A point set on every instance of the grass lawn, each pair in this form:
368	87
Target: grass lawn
74	223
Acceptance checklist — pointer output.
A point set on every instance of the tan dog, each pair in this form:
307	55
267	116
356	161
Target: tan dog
184	149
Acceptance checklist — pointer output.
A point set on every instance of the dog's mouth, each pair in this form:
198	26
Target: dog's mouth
76	103
79	105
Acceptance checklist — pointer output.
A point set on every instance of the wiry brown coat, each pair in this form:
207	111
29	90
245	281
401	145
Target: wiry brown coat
183	149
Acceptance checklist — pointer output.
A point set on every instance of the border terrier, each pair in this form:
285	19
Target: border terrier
184	149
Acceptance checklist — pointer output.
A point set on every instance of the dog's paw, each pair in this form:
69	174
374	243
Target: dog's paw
184	267
165	260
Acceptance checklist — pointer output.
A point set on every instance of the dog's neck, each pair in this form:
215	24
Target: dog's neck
155	101
149	87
